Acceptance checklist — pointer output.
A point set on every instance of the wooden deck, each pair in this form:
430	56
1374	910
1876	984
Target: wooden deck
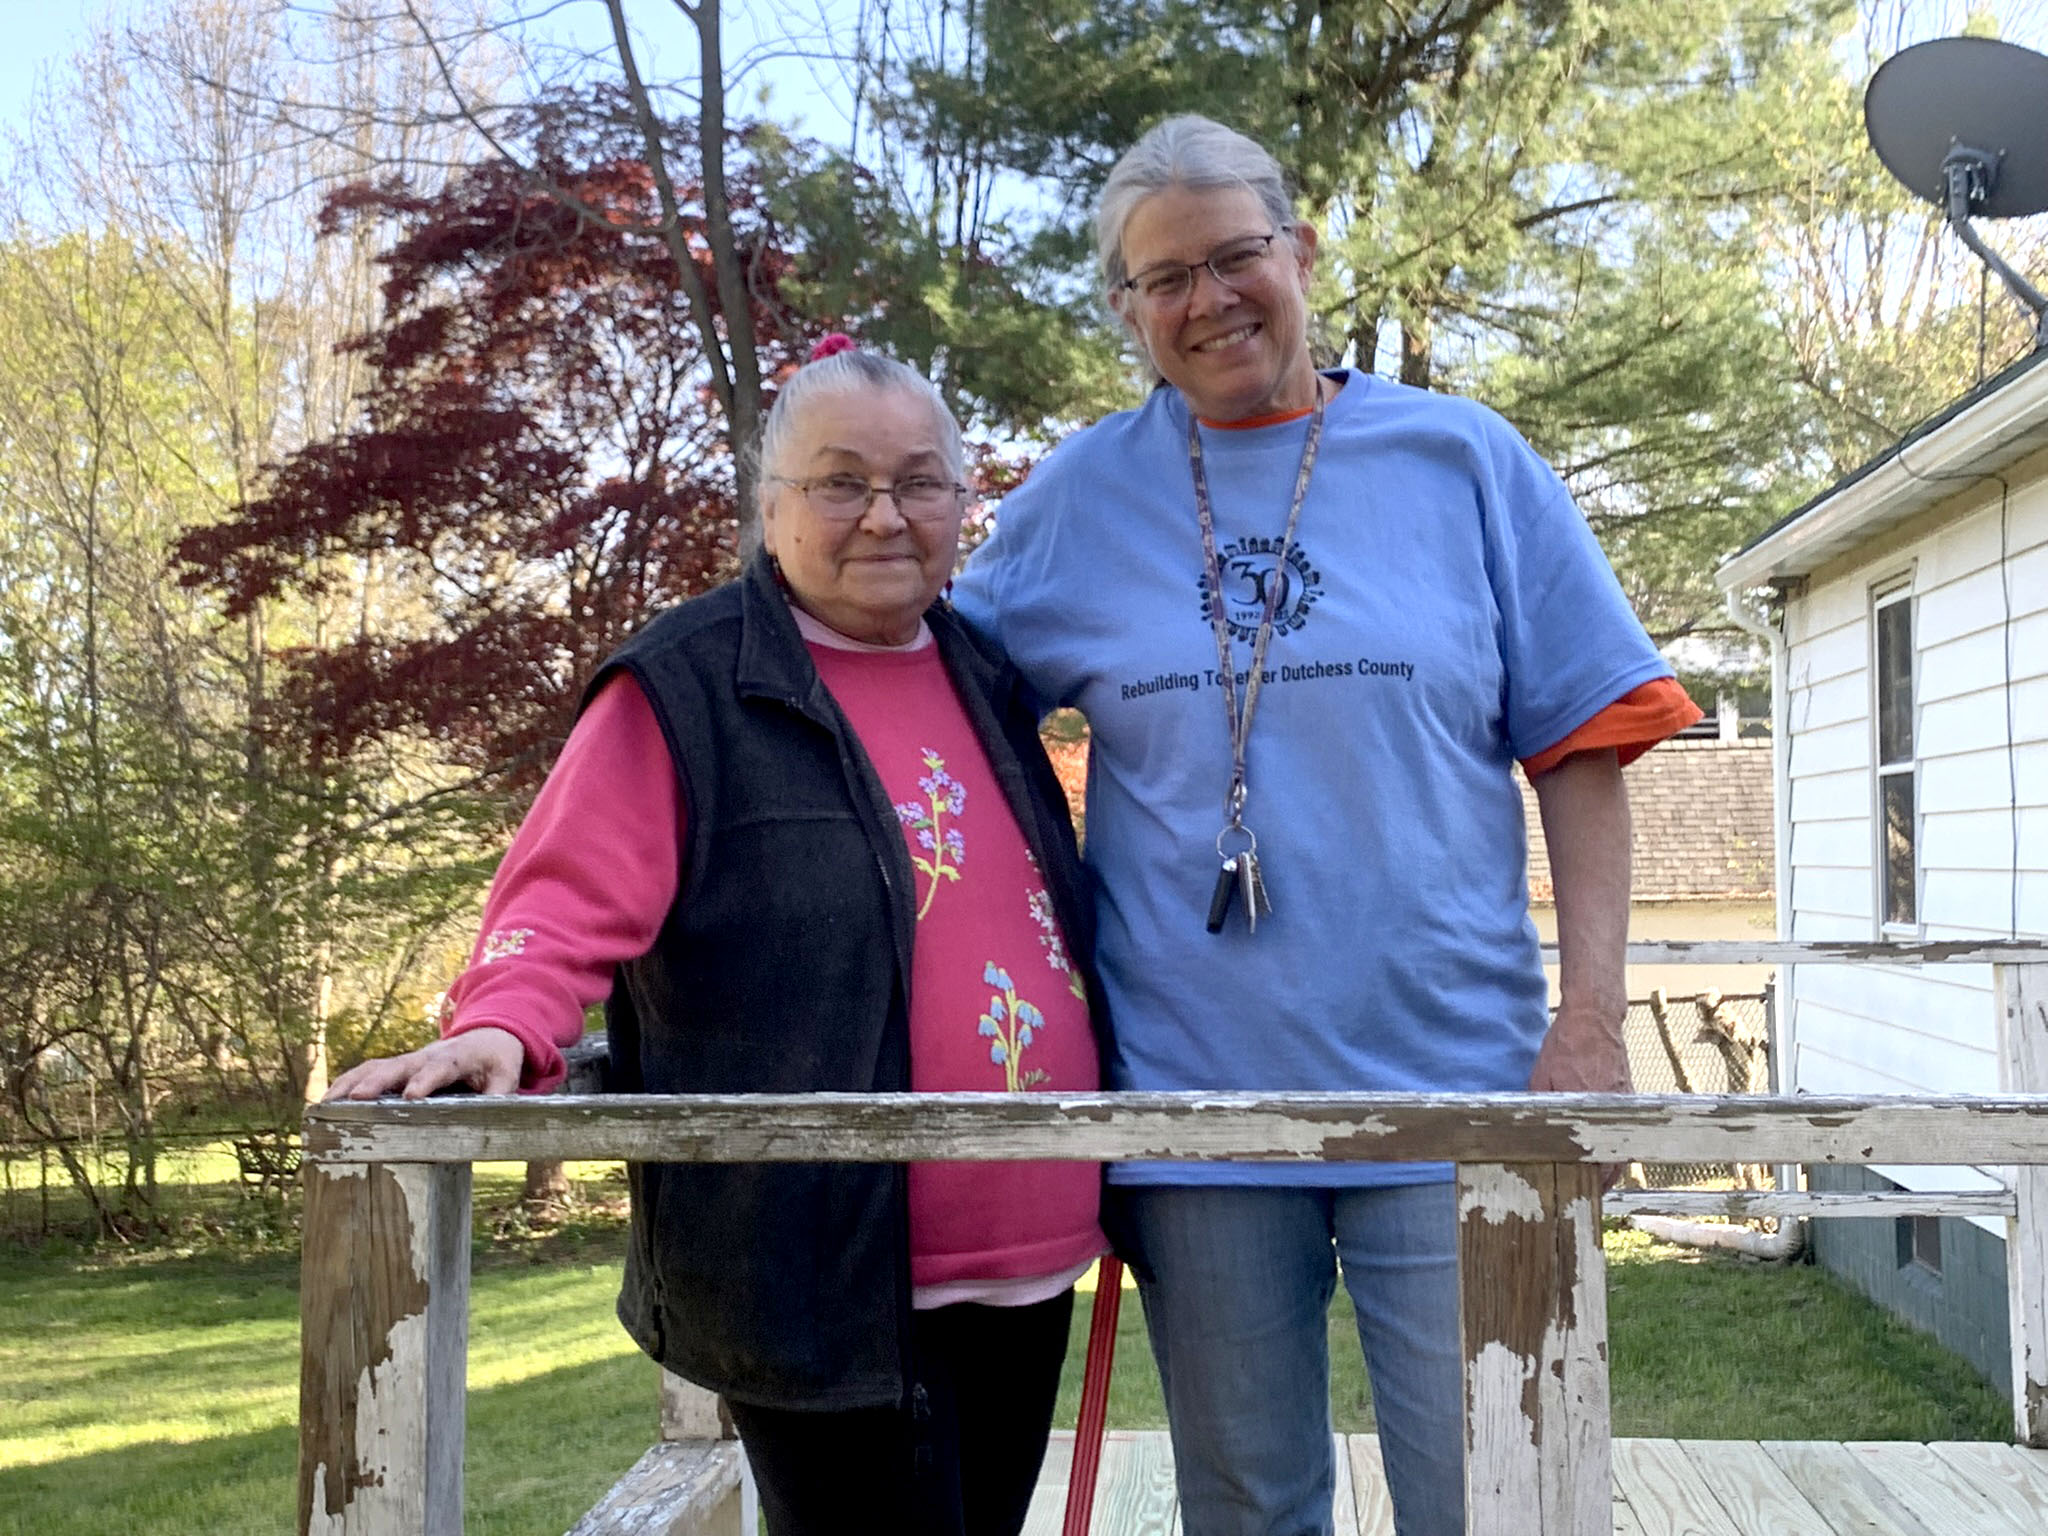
1661	1488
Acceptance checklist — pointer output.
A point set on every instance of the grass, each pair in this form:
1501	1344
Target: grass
1700	1345
155	1393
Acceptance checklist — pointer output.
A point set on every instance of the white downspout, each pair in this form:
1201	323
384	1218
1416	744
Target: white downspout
1790	1238
1783	1245
1781	753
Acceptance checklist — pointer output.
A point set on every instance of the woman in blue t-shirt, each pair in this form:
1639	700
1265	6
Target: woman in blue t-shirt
1315	619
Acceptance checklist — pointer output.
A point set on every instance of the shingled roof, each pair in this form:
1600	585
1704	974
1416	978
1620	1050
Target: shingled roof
1702	824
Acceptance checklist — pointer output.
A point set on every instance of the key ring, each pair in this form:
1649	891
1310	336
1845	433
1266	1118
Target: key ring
1250	838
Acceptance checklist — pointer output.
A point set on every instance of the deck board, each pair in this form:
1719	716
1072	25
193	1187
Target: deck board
1374	1510
2019	1475
1049	1499
1836	1484
1664	1493
1662	1488
1344	1518
1754	1490
1134	1495
1946	1499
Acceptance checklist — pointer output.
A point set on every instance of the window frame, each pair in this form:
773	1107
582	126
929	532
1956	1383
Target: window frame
1918	1247
1894	592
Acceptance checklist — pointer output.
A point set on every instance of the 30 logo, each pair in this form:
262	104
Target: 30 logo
1251	569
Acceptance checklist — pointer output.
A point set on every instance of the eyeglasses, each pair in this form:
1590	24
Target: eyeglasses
1233	265
846	498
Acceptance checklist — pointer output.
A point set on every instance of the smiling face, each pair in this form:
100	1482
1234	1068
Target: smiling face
870	578
1234	353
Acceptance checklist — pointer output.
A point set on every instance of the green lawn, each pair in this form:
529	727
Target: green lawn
155	1394
1700	1345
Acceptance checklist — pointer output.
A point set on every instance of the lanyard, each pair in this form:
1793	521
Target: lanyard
1240	721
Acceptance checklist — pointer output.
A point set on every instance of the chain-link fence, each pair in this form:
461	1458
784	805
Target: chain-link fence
1711	1042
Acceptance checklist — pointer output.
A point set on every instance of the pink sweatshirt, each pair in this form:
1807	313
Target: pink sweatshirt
995	1004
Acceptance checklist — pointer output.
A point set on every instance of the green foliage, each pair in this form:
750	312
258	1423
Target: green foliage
171	891
1623	225
991	315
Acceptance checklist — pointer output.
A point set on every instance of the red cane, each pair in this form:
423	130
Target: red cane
1109	1295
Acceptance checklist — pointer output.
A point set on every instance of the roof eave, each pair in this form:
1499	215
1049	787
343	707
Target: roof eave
1986	436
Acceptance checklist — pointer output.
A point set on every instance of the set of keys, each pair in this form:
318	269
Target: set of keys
1239	879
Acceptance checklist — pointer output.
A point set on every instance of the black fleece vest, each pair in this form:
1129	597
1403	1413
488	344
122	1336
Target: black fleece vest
784	967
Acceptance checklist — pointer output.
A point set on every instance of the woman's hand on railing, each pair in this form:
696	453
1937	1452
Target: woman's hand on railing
1585	1053
485	1059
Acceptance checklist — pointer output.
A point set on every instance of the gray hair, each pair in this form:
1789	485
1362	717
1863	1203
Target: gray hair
846	372
1185	151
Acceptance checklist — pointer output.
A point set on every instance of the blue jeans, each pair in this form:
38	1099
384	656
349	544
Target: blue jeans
1237	1283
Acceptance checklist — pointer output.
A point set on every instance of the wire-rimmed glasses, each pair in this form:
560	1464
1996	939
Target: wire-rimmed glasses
846	498
1233	264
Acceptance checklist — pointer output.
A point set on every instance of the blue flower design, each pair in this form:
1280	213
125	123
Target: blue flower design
1023	1020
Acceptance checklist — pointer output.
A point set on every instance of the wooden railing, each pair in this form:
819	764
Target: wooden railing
384	1288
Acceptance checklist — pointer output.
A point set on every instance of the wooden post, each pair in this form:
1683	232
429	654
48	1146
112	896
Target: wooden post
2022	991
384	1347
691	1412
1533	1284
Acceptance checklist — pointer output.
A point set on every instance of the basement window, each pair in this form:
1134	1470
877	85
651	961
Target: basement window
1919	1239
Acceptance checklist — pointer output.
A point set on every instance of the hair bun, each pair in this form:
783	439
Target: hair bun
830	343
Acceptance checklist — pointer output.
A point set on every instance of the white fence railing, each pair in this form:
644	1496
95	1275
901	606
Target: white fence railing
384	1288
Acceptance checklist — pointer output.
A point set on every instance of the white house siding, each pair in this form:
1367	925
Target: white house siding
1865	1030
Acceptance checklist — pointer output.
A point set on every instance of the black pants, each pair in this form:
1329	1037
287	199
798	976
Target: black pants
959	1460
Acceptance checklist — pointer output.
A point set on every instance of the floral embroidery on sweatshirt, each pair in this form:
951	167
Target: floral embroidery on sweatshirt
1009	1024
500	942
944	849
1055	951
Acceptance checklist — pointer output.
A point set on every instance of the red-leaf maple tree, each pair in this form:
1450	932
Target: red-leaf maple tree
538	462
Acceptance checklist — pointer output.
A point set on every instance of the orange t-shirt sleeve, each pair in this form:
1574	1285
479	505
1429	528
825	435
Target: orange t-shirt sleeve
1632	724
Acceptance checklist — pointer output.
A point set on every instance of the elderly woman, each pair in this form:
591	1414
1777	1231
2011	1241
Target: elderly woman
803	837
1314	619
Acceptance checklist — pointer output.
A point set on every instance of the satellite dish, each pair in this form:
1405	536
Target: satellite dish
1963	122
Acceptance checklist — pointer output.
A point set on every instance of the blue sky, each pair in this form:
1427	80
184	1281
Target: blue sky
36	34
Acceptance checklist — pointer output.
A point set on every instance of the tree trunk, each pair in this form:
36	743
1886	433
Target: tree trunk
1415	354
547	1186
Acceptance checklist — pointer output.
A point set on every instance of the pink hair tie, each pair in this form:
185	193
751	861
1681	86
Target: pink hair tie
829	343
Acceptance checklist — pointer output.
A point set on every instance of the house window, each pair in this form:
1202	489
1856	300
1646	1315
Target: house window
1898	860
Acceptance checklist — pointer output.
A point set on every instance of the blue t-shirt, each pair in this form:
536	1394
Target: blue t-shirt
1445	611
